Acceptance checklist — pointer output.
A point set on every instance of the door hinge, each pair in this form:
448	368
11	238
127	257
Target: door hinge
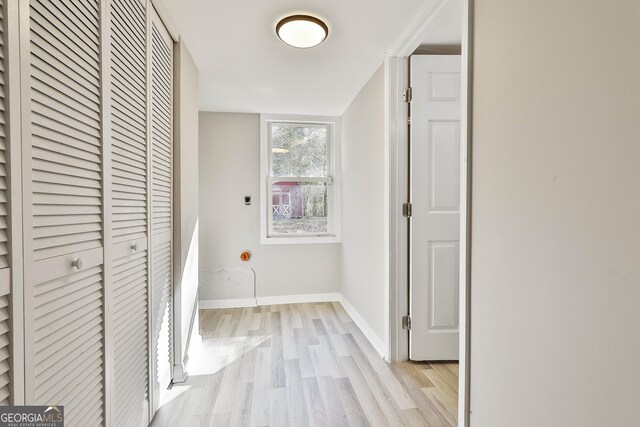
407	210
407	96
406	322
409	121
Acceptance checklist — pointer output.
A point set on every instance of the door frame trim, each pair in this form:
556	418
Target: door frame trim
396	67
14	129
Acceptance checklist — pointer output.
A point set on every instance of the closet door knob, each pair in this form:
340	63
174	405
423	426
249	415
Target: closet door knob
134	247
77	263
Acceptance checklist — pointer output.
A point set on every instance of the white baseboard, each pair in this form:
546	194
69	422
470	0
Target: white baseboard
298	299
279	299
374	339
180	374
227	303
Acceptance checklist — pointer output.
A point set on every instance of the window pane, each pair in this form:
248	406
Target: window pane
299	150
299	208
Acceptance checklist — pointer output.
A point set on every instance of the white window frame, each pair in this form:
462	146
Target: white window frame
333	181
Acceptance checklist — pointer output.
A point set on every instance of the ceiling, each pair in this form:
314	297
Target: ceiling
446	27
244	67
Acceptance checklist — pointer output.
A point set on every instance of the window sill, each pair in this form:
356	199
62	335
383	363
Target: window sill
311	240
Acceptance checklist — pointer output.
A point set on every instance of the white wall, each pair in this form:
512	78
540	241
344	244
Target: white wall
229	170
362	251
556	214
186	199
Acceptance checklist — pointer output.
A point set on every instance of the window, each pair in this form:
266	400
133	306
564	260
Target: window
299	188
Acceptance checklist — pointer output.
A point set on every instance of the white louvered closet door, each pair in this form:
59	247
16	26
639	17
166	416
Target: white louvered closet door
161	204
129	213
63	208
5	244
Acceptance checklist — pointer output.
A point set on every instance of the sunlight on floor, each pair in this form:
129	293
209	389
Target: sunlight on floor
208	356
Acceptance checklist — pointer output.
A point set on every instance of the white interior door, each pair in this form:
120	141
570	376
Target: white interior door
161	205
435	197
63	184
129	254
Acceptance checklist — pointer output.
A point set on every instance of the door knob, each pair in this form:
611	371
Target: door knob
134	247
77	263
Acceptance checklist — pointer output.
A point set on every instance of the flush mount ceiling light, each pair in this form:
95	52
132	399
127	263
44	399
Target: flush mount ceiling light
302	31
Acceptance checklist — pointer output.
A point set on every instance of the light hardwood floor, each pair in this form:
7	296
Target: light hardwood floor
299	365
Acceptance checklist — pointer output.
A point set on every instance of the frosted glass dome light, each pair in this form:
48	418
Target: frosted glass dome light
302	31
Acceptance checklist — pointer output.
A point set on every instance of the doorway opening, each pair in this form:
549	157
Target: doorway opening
429	211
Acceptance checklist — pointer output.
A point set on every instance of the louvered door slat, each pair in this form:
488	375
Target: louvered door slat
129	148
79	149
161	199
65	304
90	10
126	113
129	212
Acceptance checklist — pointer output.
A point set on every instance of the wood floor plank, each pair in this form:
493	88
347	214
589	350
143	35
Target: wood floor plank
255	321
228	388
315	406
278	378
341	312
330	316
304	356
265	327
339	346
453	367
324	361
296	320
447	374
289	348
224	326
350	403
324	311
409	374
260	404
295	395
379	391
220	420
335	411
278	407
415	417
288	341
365	396
263	365
413	372
241	411
244	324
248	367
391	383
331	358
443	394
